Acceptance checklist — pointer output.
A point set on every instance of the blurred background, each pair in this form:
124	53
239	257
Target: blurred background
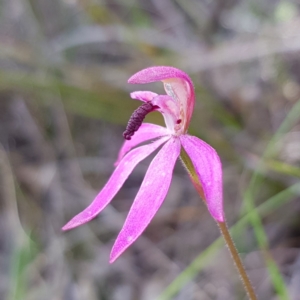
65	102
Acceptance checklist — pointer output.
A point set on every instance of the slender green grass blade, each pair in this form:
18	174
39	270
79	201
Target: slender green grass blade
249	203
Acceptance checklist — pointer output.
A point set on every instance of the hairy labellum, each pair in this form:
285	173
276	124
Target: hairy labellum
137	119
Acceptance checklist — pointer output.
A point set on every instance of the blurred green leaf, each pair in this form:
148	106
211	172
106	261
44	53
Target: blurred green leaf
283	168
22	257
106	103
285	11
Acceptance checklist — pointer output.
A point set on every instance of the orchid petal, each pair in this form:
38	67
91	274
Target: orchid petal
184	93
169	110
177	85
145	96
115	182
145	132
149	198
209	170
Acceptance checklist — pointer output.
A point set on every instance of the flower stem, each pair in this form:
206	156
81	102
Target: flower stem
237	260
222	225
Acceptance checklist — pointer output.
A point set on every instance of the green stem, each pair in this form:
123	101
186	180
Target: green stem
222	225
237	260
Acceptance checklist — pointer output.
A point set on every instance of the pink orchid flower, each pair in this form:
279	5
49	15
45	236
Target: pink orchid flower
177	108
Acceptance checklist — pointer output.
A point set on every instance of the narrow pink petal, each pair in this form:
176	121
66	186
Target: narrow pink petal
115	182
146	132
209	170
145	96
177	85
149	198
